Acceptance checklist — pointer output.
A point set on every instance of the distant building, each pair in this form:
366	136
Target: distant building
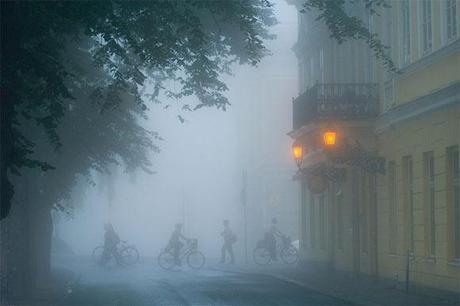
264	116
354	215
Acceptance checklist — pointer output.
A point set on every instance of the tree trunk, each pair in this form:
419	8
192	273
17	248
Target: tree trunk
15	250
25	246
41	230
10	43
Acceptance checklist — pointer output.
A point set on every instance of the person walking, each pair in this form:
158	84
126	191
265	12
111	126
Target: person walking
229	239
270	238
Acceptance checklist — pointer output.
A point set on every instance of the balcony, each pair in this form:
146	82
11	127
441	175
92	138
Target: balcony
345	101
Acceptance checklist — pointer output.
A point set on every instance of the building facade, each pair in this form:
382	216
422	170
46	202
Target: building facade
386	198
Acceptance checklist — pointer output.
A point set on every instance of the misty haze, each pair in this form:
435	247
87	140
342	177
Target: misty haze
253	152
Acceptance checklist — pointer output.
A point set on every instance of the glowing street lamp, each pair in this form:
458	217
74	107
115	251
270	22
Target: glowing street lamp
329	138
297	151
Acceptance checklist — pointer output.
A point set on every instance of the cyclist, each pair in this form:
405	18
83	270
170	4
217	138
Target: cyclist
270	238
229	240
111	240
176	244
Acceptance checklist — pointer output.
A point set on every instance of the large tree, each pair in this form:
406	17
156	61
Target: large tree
61	120
90	142
192	42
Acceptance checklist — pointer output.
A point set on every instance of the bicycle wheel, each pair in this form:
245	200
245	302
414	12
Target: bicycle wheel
195	260
261	256
166	260
289	255
97	254
129	255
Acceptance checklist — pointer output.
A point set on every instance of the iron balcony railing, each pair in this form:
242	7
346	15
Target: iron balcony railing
345	101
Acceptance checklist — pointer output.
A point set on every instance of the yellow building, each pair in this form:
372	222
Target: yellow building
354	216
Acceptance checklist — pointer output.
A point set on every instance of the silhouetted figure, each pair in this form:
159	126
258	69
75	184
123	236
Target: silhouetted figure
270	238
111	240
176	244
229	239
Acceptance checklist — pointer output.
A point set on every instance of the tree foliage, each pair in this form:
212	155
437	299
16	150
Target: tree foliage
89	141
344	26
130	43
192	42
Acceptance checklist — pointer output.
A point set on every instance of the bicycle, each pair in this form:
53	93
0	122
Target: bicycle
285	250
129	255
194	258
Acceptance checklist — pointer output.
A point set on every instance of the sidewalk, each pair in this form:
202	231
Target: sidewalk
364	290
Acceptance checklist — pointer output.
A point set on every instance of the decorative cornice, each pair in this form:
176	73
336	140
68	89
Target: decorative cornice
430	59
441	98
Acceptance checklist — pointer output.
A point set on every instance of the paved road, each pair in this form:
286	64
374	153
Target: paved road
146	284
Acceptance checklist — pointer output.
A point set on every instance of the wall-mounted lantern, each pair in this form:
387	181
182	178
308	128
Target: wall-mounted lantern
298	153
330	138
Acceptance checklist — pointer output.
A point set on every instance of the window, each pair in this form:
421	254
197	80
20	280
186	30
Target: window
425	25
408	188
428	196
312	76
307	72
337	63
339	211
405	33
304	190
312	222
450	19
388	94
393	222
388	38
302	74
369	68
453	189
321	65
323	223
388	27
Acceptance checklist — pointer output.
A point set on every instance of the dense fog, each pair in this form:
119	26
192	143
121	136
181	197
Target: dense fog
229	152
198	171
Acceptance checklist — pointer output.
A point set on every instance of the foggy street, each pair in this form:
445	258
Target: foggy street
148	284
230	152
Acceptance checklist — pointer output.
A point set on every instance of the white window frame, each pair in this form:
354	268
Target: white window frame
392	208
430	202
321	65
405	37
408	185
425	22
444	19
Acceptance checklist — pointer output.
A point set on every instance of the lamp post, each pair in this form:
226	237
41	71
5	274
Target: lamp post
244	179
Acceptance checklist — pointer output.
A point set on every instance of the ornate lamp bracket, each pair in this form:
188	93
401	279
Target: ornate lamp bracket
331	173
360	157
